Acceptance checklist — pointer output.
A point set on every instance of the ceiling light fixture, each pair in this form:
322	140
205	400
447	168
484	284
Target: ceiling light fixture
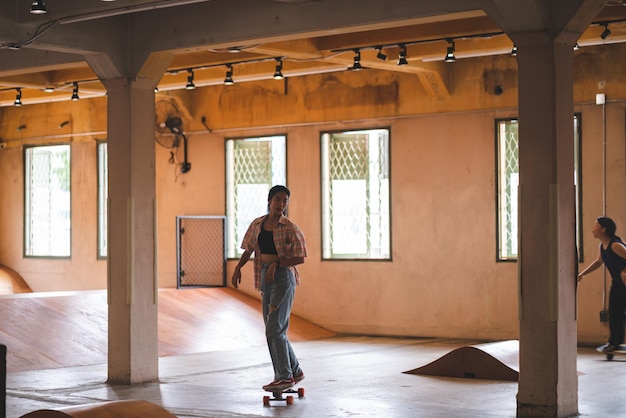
278	74
450	52
38	8
606	32
75	92
402	55
356	65
228	81
380	54
18	97
514	50
190	85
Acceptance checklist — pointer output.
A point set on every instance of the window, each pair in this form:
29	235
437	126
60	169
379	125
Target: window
253	166
355	195
47	221
103	190
508	179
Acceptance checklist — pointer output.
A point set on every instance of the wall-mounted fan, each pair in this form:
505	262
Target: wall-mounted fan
169	132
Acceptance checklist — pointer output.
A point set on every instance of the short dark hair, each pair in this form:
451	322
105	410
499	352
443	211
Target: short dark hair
277	189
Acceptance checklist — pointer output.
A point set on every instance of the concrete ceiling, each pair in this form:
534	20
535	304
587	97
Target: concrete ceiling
86	41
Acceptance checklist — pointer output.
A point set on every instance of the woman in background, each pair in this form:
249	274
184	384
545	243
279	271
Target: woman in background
612	253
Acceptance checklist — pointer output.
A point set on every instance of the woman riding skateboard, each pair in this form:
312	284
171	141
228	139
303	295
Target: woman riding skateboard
278	246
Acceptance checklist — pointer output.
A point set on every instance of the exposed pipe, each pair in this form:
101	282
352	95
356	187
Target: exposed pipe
601	100
127	10
3	381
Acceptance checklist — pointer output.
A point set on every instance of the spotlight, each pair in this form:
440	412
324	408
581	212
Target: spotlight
75	91
228	81
278	74
514	50
380	54
576	47
402	55
356	66
18	97
48	89
450	52
606	32
190	85
38	8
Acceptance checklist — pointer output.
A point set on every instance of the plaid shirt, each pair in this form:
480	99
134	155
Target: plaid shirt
288	239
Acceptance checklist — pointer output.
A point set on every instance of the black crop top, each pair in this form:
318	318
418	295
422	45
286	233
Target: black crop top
266	242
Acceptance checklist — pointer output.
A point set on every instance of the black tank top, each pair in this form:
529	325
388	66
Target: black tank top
613	262
266	242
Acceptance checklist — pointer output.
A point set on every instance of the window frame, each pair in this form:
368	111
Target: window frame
578	192
102	222
387	163
27	209
233	250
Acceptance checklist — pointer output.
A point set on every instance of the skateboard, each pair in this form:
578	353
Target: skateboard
278	396
610	356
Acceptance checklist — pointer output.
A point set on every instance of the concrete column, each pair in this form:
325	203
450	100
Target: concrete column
132	297
548	382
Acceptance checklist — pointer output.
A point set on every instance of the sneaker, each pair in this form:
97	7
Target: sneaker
299	377
608	348
278	385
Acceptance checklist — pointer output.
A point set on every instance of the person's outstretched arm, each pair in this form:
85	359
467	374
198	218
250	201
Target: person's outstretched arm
593	266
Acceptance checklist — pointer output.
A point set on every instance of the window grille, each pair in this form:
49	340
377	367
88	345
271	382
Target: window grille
355	195
253	166
508	179
201	251
103	209
47	221
507	139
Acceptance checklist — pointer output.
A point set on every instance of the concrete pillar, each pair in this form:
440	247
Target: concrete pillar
132	297
548	381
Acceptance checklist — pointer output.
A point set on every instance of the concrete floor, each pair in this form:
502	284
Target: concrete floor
345	377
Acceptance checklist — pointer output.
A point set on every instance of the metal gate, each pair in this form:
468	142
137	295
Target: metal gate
201	251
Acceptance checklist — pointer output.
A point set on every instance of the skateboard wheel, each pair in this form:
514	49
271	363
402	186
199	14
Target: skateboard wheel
266	401
300	392
289	400
610	356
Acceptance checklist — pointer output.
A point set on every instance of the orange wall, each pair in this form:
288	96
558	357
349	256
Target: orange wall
444	279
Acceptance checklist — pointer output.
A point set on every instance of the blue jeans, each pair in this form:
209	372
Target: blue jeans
279	294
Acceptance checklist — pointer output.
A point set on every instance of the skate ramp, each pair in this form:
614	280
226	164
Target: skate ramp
65	329
117	409
494	361
11	282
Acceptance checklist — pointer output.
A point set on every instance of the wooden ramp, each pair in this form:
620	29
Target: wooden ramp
11	282
115	409
496	361
63	329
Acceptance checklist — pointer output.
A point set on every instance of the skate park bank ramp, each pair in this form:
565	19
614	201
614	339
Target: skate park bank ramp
117	409
66	329
494	361
11	282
